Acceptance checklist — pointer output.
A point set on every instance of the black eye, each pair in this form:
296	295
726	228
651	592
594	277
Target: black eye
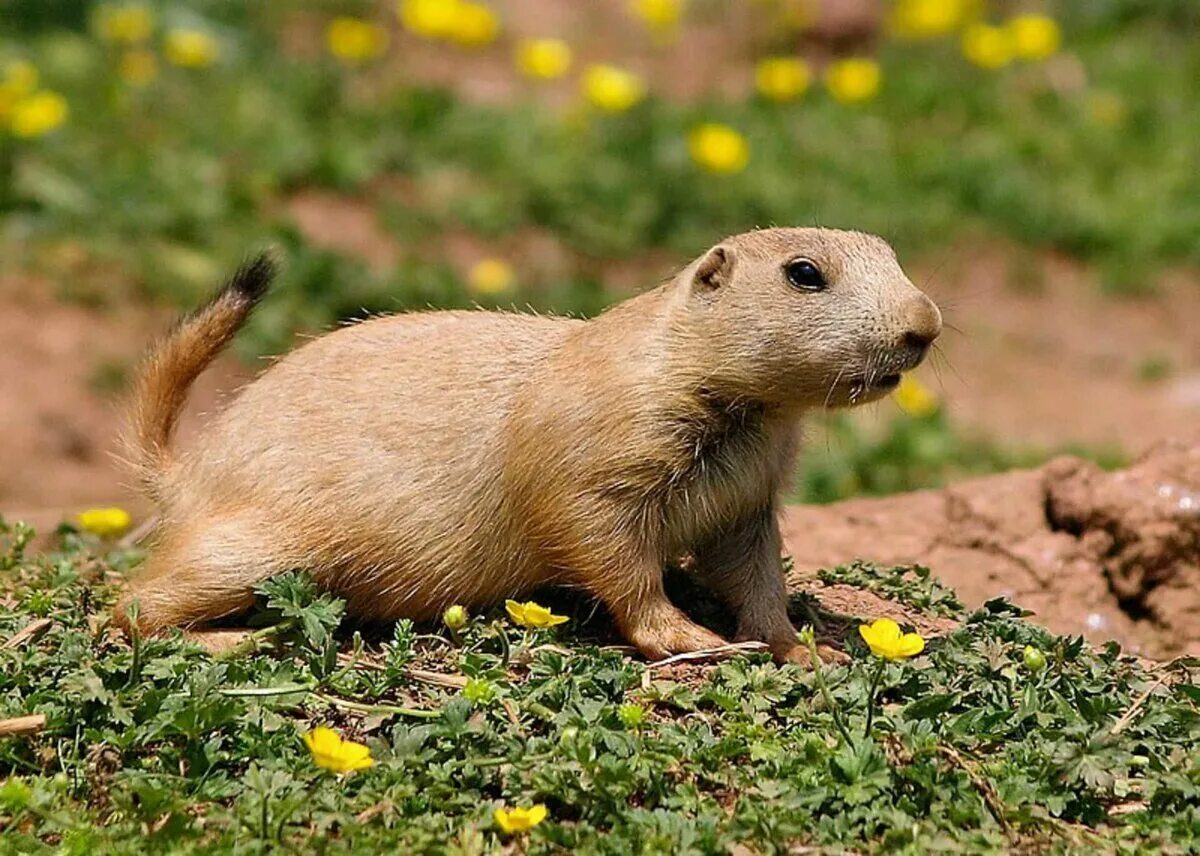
804	275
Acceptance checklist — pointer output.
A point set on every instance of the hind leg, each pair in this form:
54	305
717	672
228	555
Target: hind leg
193	578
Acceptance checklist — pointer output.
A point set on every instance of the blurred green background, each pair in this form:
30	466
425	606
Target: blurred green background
1034	163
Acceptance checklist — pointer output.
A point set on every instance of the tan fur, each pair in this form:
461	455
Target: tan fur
420	460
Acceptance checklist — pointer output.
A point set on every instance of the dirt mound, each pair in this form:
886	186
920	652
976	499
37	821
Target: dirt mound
1108	555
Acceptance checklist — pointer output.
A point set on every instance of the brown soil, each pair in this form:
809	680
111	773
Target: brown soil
1105	555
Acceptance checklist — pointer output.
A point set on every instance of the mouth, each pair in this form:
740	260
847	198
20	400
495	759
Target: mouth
873	386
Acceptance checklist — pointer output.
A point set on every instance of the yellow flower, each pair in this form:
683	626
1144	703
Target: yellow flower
659	15
105	522
914	398
353	40
491	276
718	148
853	80
532	614
126	24
885	640
612	89
927	19
331	752
1034	37
138	67
987	46
190	48
430	19
475	25
38	114
20	79
782	78
543	59
517	820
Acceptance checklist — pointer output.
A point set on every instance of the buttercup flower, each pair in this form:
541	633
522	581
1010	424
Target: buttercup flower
190	48
491	276
534	615
914	398
105	522
987	46
430	19
331	752
612	89
455	617
659	15
718	148
853	80
782	78
138	67
1034	37
128	24
884	638
19	80
353	40
1033	658
927	19
475	25
517	820
543	59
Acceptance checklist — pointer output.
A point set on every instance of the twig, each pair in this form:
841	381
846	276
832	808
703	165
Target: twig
20	726
358	707
373	812
1127	717
709	653
30	631
138	533
456	682
995	806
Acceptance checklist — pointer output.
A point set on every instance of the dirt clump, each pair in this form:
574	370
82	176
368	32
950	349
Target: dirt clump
1107	555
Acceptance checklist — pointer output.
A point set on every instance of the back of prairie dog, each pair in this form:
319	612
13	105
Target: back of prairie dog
416	461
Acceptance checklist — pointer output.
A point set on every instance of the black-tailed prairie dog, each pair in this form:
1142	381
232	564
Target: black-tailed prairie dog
420	460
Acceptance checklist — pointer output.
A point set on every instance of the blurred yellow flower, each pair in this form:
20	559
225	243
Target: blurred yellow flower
475	25
987	46
430	19
853	80
718	148
885	640
190	48
543	59
20	79
331	752
530	614
37	114
125	24
353	40
516	820
927	19
138	67
914	398
661	15
1034	37
782	78
612	89
104	522
491	276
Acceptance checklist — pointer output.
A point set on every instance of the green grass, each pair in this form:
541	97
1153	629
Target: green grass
158	747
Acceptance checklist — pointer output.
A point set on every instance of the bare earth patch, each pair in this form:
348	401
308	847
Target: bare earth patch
1106	555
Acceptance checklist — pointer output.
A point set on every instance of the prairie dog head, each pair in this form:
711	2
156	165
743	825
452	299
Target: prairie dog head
806	317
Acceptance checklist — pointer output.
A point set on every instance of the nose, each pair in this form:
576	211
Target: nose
923	323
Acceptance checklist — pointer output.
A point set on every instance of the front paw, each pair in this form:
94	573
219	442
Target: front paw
794	652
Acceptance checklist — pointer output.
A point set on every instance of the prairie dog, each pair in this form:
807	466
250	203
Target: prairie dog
419	460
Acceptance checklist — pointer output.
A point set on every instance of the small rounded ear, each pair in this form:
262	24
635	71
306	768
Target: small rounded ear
714	269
